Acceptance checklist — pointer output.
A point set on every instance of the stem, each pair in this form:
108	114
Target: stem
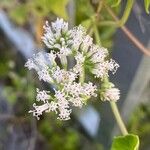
126	13
118	118
122	21
96	33
95	19
108	23
128	33
114	106
99	8
124	18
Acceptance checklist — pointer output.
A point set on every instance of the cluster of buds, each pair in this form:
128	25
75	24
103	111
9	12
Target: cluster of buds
68	89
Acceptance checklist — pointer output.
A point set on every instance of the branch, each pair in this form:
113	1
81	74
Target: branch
128	33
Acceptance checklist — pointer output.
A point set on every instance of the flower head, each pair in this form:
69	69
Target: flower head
112	94
68	90
56	35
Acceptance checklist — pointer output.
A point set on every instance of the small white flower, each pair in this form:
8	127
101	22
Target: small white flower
30	64
57	34
101	69
77	102
77	35
89	89
74	89
64	114
41	62
60	96
63	76
39	110
80	58
99	55
53	106
113	66
112	94
44	60
45	76
86	43
65	51
60	25
42	95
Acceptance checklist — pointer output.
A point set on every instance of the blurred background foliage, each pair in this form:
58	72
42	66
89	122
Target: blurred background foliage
139	124
19	88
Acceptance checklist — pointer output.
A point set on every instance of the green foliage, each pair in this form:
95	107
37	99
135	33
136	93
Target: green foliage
140	124
85	14
86	23
59	136
20	12
19	87
147	5
84	11
58	7
128	142
3	68
113	3
43	8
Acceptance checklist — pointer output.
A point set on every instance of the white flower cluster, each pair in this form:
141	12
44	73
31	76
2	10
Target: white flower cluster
63	43
111	94
72	94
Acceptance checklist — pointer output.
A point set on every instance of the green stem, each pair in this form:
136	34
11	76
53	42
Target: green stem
124	18
96	33
113	104
126	13
97	38
118	118
108	23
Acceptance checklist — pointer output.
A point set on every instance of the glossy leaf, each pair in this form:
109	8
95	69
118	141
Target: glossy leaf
128	142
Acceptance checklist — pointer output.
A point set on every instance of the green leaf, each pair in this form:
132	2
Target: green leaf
128	142
147	5
86	23
58	7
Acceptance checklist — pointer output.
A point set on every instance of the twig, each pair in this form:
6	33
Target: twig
128	33
95	17
99	8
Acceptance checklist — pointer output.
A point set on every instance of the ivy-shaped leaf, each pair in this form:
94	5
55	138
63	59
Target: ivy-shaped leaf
147	5
128	142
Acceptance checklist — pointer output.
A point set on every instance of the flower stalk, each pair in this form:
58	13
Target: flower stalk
112	103
118	118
